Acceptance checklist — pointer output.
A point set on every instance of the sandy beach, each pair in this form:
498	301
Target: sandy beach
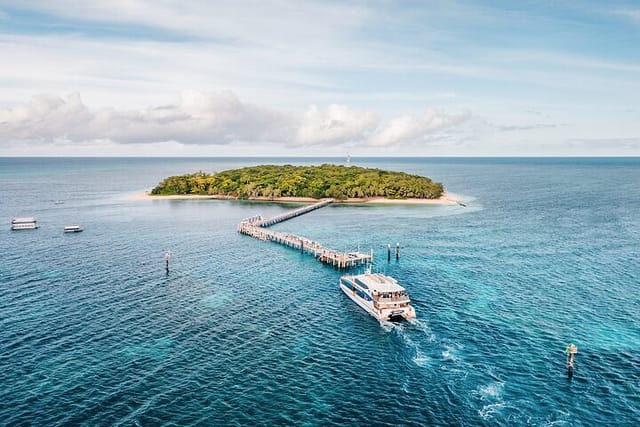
445	199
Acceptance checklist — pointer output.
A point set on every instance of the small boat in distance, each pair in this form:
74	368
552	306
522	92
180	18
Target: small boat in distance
24	223
72	229
381	296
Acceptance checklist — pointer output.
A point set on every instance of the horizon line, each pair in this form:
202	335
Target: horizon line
324	157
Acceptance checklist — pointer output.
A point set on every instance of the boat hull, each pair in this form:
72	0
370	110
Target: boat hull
382	315
24	223
16	227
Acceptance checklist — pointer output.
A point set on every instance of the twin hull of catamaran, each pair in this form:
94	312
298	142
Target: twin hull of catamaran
24	223
379	295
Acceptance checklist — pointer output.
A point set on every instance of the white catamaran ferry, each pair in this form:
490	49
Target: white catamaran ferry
381	296
24	223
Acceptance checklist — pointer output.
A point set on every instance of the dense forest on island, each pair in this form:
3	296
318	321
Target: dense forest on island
270	181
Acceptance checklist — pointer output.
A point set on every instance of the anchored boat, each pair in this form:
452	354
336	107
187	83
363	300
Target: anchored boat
72	229
381	296
24	223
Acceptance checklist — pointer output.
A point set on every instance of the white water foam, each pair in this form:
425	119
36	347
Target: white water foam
421	325
420	358
450	353
387	326
488	411
491	392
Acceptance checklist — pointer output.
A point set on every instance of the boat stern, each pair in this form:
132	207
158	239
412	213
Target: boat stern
399	314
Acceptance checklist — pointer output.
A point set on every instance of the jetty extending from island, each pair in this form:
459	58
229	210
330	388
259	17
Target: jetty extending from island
267	222
257	227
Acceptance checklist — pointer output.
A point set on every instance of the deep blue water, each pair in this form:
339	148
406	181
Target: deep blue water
244	332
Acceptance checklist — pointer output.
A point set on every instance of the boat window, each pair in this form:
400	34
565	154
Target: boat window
359	282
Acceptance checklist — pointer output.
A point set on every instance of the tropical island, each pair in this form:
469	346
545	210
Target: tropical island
277	182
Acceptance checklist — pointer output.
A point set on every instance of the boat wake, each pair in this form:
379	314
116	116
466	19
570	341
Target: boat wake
405	331
450	353
420	358
488	411
491	395
388	326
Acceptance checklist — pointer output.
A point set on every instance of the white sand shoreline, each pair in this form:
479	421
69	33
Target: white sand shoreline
445	199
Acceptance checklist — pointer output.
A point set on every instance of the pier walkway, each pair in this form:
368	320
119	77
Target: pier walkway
256	227
268	222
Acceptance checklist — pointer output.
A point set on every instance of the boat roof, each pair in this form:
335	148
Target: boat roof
378	282
23	219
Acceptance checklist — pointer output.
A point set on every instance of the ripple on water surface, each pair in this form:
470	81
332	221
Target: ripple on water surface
243	332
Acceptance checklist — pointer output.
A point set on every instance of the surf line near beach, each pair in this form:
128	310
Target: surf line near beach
257	227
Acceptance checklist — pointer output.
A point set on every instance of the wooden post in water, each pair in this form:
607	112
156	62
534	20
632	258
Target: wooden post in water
571	351
397	251
389	252
167	255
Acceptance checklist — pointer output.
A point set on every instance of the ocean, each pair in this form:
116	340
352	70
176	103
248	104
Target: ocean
93	331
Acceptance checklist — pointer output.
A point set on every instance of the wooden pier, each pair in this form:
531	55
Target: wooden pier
268	222
256	227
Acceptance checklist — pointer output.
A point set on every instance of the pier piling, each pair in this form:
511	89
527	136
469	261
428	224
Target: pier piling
167	255
389	252
571	351
257	227
397	251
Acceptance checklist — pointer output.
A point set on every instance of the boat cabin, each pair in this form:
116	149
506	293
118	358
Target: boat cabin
24	223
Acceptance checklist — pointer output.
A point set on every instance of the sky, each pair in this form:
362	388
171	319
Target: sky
319	78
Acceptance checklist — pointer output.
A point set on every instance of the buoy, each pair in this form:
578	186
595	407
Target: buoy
167	255
571	351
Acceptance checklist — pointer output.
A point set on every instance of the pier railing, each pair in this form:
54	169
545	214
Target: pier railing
256	227
267	222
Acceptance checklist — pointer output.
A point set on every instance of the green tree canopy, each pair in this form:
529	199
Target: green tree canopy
339	182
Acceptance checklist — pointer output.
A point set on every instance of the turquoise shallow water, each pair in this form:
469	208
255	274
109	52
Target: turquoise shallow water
243	332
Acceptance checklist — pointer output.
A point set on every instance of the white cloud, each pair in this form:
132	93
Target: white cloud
211	119
251	21
337	124
44	117
197	118
632	14
409	128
